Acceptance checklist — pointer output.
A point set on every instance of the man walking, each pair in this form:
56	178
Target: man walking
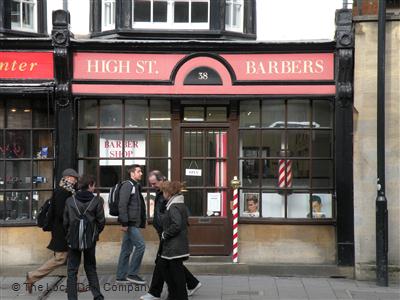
58	242
132	216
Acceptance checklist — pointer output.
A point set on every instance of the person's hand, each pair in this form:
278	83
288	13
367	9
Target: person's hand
124	228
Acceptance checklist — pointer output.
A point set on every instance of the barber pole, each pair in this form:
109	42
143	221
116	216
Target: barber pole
235	183
285	173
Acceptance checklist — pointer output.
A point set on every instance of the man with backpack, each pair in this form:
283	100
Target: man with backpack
84	220
132	216
58	243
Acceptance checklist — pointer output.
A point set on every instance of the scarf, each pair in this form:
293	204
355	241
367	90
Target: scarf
66	185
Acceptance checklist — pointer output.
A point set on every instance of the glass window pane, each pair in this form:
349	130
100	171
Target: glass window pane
217	143
298	205
27	14
299	143
249	143
17	205
321	206
273	113
15	13
142	9
163	165
109	174
41	114
301	173
193	172
273	205
135	146
216	171
181	12
110	113
87	144
193	143
3	211
322	113
250	205
322	143
160	11
2	114
298	114
43	144
199	12
38	199
160	144
19	114
249	170
249	114
272	141
270	172
111	145
193	114
2	176
88	167
88	113
194	202
216	114
18	144
136	113
2	148
237	13
322	173
160	111
228	13
18	174
42	175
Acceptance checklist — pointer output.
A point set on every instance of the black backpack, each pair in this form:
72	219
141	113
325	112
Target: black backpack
82	233
45	218
113	198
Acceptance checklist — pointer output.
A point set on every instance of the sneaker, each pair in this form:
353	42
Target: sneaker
121	281
149	296
194	290
136	279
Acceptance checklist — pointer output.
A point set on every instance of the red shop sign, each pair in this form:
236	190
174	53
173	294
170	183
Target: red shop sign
26	65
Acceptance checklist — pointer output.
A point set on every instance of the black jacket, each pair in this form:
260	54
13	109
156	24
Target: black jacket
160	205
175	243
131	207
94	213
58	241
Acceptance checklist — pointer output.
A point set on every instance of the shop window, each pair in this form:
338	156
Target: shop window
234	15
171	14
114	134
286	161
26	158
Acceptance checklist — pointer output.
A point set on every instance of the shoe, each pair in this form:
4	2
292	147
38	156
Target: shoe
136	279
149	296
28	284
121	281
194	290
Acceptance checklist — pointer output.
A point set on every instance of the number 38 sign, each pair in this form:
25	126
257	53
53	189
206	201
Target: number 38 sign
203	76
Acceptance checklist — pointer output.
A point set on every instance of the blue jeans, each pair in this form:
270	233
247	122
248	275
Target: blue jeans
132	238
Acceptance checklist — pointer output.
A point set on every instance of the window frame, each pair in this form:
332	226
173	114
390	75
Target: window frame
260	189
113	4
35	16
229	26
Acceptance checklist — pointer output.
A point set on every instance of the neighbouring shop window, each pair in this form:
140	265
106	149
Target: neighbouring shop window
26	157
108	14
234	15
286	160
24	15
116	133
171	14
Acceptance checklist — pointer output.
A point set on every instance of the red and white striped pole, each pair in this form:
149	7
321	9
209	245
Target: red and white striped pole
285	173
235	183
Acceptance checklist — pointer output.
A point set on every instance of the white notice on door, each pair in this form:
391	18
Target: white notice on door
193	172
214	202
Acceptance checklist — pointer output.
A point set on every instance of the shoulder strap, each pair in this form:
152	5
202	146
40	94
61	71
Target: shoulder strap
86	207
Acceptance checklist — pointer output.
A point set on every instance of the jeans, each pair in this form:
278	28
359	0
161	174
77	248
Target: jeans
132	238
89	263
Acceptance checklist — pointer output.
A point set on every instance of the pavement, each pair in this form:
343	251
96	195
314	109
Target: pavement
221	287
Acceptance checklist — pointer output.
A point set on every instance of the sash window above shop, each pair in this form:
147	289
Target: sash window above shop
116	133
26	158
286	159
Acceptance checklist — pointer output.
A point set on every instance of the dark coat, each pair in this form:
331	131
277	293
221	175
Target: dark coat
160	205
131	206
94	212
175	243
58	241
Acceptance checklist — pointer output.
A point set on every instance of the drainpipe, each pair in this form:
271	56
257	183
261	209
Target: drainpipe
65	5
381	201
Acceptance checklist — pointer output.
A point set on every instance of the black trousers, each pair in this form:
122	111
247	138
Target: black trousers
157	281
174	275
89	263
